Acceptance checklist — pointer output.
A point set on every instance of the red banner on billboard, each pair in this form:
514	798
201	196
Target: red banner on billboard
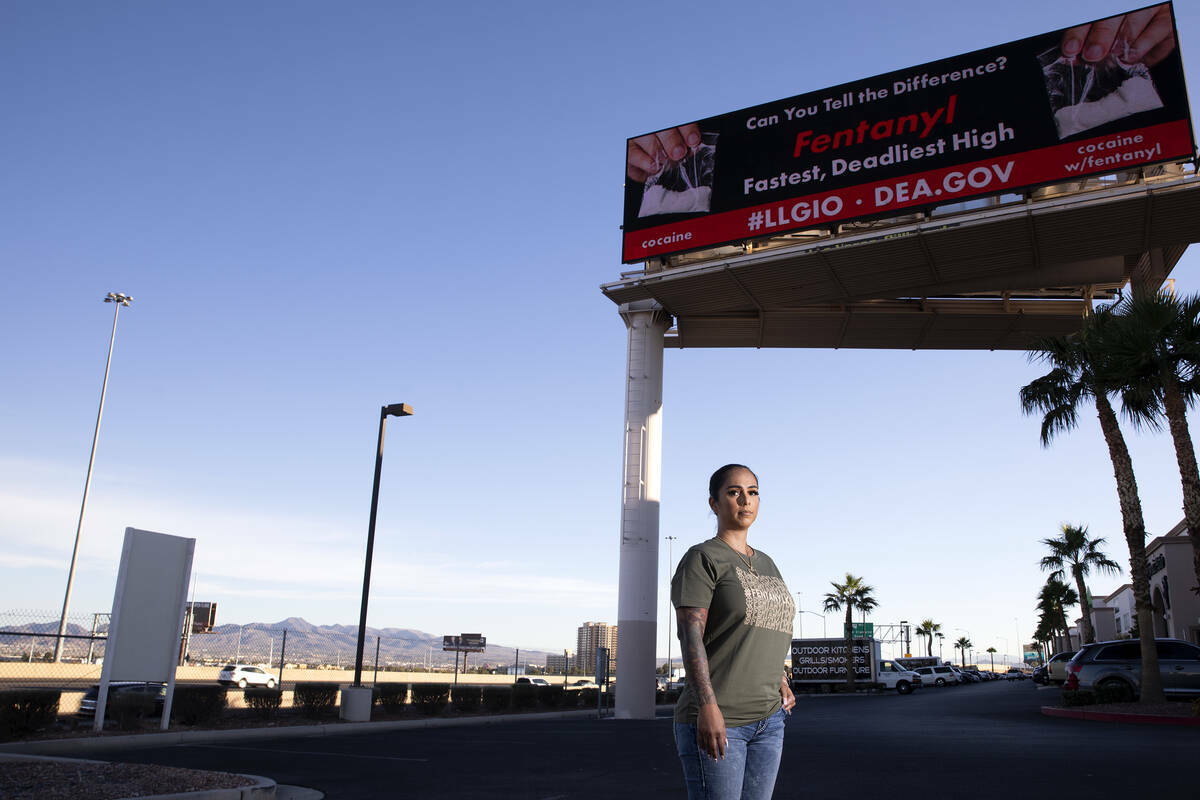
1008	118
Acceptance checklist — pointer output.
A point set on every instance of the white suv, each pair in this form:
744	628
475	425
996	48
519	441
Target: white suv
243	675
938	676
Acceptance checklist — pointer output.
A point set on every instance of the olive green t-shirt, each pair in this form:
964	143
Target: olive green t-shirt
748	633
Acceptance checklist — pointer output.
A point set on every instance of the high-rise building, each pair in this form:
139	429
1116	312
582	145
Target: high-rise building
590	636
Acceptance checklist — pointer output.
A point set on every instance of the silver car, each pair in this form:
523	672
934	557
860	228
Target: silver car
1117	667
1056	666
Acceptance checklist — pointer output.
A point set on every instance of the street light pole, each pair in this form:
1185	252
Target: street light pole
394	410
670	561
119	300
800	612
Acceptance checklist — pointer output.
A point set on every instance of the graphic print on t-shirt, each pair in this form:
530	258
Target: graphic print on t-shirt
769	604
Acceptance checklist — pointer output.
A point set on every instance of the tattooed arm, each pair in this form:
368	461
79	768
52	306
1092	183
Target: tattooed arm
710	725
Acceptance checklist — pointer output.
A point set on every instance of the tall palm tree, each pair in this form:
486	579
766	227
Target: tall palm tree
1155	356
1053	601
962	644
1079	373
1076	553
991	651
927	629
851	595
940	637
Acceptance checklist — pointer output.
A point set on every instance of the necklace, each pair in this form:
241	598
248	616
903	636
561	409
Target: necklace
742	557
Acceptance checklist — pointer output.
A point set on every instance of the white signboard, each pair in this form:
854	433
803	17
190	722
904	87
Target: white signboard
147	614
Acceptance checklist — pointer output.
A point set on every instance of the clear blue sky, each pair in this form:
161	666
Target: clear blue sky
321	208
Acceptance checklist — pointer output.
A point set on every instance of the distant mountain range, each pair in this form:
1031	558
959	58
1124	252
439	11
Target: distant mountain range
334	645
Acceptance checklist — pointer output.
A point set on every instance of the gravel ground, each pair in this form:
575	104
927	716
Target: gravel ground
81	780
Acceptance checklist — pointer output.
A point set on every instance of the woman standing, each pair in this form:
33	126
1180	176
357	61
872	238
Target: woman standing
735	627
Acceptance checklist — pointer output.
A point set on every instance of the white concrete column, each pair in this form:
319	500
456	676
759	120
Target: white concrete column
637	605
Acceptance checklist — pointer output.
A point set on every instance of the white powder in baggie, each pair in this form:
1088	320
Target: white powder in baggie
1134	95
657	200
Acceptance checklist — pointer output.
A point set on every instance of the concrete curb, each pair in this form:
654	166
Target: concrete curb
261	789
1110	716
91	744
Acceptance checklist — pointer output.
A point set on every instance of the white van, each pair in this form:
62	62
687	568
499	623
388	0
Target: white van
895	676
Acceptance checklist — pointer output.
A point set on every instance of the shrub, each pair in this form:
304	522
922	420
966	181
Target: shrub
430	698
1113	694
588	696
263	702
24	711
524	696
497	698
550	696
315	699
391	696
1073	698
467	698
197	705
129	709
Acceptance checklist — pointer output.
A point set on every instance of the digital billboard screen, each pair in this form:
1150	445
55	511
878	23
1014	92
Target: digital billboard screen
1096	98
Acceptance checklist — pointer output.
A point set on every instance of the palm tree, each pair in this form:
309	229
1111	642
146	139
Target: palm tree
1075	552
851	595
1078	373
991	651
1155	355
928	628
1053	601
961	645
940	637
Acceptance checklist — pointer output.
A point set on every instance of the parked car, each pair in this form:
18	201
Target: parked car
87	705
938	676
243	675
534	681
1040	676
1116	666
1056	666
967	676
582	684
1014	674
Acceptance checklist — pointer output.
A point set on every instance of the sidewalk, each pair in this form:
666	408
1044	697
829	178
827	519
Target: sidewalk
86	744
1128	712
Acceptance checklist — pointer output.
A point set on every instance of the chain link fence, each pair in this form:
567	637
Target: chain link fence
271	656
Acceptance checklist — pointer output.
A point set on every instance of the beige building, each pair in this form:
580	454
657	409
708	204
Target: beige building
1176	608
589	636
560	664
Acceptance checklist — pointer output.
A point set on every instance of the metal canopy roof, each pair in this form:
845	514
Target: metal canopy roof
996	278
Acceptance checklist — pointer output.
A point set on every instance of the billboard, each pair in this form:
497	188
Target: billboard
465	643
203	616
825	659
1095	98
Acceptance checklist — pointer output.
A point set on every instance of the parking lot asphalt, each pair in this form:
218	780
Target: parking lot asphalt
978	741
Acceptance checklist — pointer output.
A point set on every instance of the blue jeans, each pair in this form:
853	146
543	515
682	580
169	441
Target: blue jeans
748	770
